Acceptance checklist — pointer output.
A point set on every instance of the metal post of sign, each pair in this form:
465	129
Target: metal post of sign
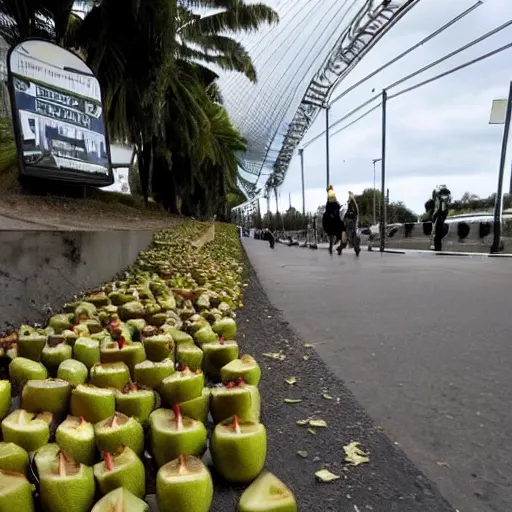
301	153
510	187
327	157
498	202
383	212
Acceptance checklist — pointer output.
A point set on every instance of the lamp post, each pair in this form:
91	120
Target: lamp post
383	210
327	148
301	153
375	160
504	119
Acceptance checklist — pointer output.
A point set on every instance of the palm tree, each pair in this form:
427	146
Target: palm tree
47	19
152	59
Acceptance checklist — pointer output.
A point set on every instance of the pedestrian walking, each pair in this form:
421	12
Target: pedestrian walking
331	220
351	220
269	237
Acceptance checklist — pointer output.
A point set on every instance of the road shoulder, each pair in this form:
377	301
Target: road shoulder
389	482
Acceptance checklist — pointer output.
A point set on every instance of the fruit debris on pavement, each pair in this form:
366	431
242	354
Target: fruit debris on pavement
154	350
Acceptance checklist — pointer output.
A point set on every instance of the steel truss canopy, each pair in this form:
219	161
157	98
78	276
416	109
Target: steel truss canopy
275	113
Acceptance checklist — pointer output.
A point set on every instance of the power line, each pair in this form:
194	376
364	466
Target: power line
368	112
417	72
291	83
254	106
266	75
452	70
426	82
452	54
409	50
261	41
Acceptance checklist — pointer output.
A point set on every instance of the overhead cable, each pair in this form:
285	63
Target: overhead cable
451	54
452	70
421	84
419	71
409	50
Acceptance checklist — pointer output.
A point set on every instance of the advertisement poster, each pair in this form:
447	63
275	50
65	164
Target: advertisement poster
59	113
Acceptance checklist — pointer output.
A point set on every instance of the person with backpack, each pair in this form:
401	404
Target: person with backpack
351	220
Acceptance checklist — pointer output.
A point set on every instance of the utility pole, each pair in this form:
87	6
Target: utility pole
375	160
383	213
510	187
498	203
327	157
301	153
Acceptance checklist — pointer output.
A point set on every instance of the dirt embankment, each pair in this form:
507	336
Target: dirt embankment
104	212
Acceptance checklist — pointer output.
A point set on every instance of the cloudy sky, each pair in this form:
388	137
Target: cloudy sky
438	134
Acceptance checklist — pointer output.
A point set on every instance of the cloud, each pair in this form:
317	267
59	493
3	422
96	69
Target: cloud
436	134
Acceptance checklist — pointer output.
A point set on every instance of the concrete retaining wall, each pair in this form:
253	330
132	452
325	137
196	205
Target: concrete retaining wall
209	236
41	270
461	236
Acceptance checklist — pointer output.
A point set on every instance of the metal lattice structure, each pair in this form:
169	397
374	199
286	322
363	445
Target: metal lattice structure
275	113
243	213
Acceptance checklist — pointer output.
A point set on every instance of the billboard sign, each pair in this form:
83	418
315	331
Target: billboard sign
58	115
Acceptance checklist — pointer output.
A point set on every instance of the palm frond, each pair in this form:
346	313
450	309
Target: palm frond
238	17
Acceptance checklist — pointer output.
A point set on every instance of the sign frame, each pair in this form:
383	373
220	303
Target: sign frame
498	111
75	177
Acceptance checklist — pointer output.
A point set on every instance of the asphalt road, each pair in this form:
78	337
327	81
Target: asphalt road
424	343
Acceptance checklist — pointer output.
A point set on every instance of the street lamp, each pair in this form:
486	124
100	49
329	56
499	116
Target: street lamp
501	113
375	160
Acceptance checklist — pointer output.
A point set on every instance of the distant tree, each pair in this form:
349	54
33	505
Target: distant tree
399	213
293	220
468	197
471	203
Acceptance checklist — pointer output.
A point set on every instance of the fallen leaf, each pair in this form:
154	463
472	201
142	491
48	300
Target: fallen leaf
291	381
327	397
308	345
312	421
311	431
354	454
305	358
302	453
326	476
317	423
275	355
292	401
443	464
